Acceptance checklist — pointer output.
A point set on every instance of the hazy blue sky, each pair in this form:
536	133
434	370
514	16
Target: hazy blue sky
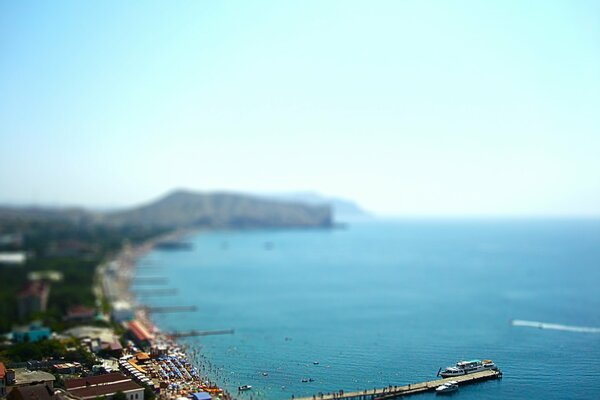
408	107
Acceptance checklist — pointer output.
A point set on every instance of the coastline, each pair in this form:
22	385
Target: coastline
167	354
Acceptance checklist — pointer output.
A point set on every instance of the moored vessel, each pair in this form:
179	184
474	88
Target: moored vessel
447	387
468	367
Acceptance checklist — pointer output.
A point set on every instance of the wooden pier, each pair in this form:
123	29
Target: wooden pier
169	309
156	292
392	392
150	280
195	332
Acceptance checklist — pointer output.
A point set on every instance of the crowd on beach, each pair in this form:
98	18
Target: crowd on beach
159	360
168	369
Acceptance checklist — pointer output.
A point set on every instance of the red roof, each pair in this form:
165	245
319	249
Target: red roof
80	312
2	370
139	331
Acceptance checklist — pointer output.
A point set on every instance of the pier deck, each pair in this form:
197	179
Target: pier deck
169	309
392	392
196	332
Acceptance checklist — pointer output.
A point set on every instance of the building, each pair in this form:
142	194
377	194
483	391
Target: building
67	368
122	311
106	386
33	332
140	334
13	257
2	380
33	298
80	313
25	377
97	338
45	275
33	392
201	396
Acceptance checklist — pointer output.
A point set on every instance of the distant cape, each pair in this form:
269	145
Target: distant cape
343	210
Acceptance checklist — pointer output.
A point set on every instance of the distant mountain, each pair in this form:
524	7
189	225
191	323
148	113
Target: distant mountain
343	210
182	209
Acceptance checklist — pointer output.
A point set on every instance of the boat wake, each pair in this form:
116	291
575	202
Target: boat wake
556	327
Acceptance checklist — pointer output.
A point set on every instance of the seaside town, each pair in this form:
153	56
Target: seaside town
70	329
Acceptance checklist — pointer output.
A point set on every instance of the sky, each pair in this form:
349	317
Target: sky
406	107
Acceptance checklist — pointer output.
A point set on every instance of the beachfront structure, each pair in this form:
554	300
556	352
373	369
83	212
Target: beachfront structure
140	334
122	311
33	332
105	386
201	396
33	298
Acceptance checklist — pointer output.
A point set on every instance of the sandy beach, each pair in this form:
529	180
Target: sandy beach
162	362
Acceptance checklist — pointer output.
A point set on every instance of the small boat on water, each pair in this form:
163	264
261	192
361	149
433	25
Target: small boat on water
244	388
468	367
447	387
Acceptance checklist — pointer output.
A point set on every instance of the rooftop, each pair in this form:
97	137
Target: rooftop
33	392
201	396
106	379
139	331
142	356
80	311
106	335
12	257
25	377
104	390
67	365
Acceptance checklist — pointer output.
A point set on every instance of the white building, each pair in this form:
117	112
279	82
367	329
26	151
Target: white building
122	311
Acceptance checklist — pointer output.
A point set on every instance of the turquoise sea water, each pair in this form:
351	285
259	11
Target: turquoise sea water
389	302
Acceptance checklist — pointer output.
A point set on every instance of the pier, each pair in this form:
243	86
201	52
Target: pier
200	333
169	309
392	392
150	280
156	292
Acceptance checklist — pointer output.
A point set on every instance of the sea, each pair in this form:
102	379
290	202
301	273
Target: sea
389	302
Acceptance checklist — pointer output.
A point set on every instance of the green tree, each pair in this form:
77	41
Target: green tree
149	393
119	396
